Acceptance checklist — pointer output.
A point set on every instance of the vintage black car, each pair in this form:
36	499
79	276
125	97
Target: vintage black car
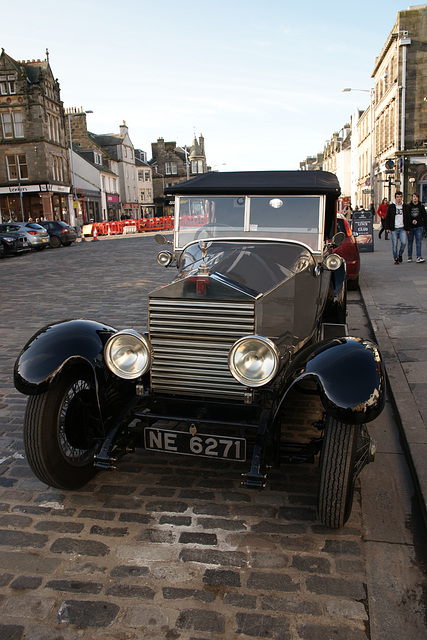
256	307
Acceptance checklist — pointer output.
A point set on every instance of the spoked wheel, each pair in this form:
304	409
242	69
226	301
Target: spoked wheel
346	449
61	432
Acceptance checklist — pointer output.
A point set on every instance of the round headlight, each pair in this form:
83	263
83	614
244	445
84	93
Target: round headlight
128	354
164	258
333	262
253	360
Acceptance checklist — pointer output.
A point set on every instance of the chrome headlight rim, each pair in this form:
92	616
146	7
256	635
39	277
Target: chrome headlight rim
164	258
263	344
139	354
333	261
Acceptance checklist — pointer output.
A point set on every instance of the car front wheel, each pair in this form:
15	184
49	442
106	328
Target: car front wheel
60	431
338	461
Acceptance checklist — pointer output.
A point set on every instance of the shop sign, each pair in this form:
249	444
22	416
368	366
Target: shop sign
21	189
112	198
363	226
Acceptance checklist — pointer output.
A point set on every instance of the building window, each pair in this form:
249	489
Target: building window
12	125
147	176
7	85
197	166
142	195
57	169
140	175
53	124
171	168
17	167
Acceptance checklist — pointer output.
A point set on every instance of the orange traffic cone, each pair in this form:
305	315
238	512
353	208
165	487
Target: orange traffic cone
95	233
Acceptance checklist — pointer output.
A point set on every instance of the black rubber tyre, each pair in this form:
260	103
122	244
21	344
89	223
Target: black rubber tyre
60	428
353	285
40	248
337	473
55	242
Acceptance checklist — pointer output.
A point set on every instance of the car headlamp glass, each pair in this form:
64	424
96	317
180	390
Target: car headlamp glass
128	354
164	258
333	262
253	360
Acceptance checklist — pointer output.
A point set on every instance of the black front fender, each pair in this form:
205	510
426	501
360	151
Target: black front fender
349	375
55	346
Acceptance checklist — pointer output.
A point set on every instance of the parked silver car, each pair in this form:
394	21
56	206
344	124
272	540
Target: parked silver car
36	235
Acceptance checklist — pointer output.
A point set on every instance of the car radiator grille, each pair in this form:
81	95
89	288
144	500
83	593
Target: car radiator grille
191	341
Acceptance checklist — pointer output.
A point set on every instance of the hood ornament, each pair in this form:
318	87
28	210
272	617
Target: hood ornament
203	269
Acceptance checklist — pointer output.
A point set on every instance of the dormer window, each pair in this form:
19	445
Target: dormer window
97	158
7	85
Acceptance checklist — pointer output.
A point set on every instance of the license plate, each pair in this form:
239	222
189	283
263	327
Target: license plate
202	445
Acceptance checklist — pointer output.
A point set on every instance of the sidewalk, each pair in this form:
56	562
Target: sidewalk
395	297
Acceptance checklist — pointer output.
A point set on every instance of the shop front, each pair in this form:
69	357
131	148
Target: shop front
113	206
34	201
131	210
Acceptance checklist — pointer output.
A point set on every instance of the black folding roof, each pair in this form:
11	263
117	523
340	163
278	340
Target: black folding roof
259	183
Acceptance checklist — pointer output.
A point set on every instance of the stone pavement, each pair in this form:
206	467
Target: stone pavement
395	297
165	547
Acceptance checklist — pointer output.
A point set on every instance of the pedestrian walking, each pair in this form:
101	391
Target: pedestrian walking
395	224
348	211
382	212
416	221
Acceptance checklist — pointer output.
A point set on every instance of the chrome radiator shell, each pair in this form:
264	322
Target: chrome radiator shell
191	340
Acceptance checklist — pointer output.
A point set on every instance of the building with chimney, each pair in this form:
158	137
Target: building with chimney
172	164
35	178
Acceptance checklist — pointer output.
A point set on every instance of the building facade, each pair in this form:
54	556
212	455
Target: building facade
389	138
171	165
35	179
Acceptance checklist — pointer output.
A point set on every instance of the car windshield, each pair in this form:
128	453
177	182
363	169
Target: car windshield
280	217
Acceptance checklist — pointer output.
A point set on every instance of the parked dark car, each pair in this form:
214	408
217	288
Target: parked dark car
349	250
256	307
59	232
12	243
36	236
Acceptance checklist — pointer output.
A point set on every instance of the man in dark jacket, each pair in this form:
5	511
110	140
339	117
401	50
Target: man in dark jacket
416	220
395	224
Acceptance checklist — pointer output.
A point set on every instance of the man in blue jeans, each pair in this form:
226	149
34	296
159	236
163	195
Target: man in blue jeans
417	222
395	223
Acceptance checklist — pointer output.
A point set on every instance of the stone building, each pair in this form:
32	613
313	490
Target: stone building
400	107
115	154
389	138
337	157
34	169
120	148
172	164
144	174
97	181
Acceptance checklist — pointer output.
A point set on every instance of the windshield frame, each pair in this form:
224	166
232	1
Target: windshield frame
250	234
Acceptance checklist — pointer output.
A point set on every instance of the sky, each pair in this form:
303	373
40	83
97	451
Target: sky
260	80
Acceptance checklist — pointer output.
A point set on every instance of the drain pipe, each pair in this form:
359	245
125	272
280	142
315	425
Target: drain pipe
403	42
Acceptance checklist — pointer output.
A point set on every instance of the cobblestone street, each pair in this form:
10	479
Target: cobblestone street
165	547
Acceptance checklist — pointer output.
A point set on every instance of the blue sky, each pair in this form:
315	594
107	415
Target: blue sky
262	81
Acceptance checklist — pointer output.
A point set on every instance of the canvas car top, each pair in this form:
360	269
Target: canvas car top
260	182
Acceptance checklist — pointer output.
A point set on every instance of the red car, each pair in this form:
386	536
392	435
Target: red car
349	251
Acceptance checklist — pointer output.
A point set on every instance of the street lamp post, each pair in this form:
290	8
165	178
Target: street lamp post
187	165
371	92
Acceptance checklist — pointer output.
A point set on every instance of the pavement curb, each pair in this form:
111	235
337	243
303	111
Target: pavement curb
410	422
